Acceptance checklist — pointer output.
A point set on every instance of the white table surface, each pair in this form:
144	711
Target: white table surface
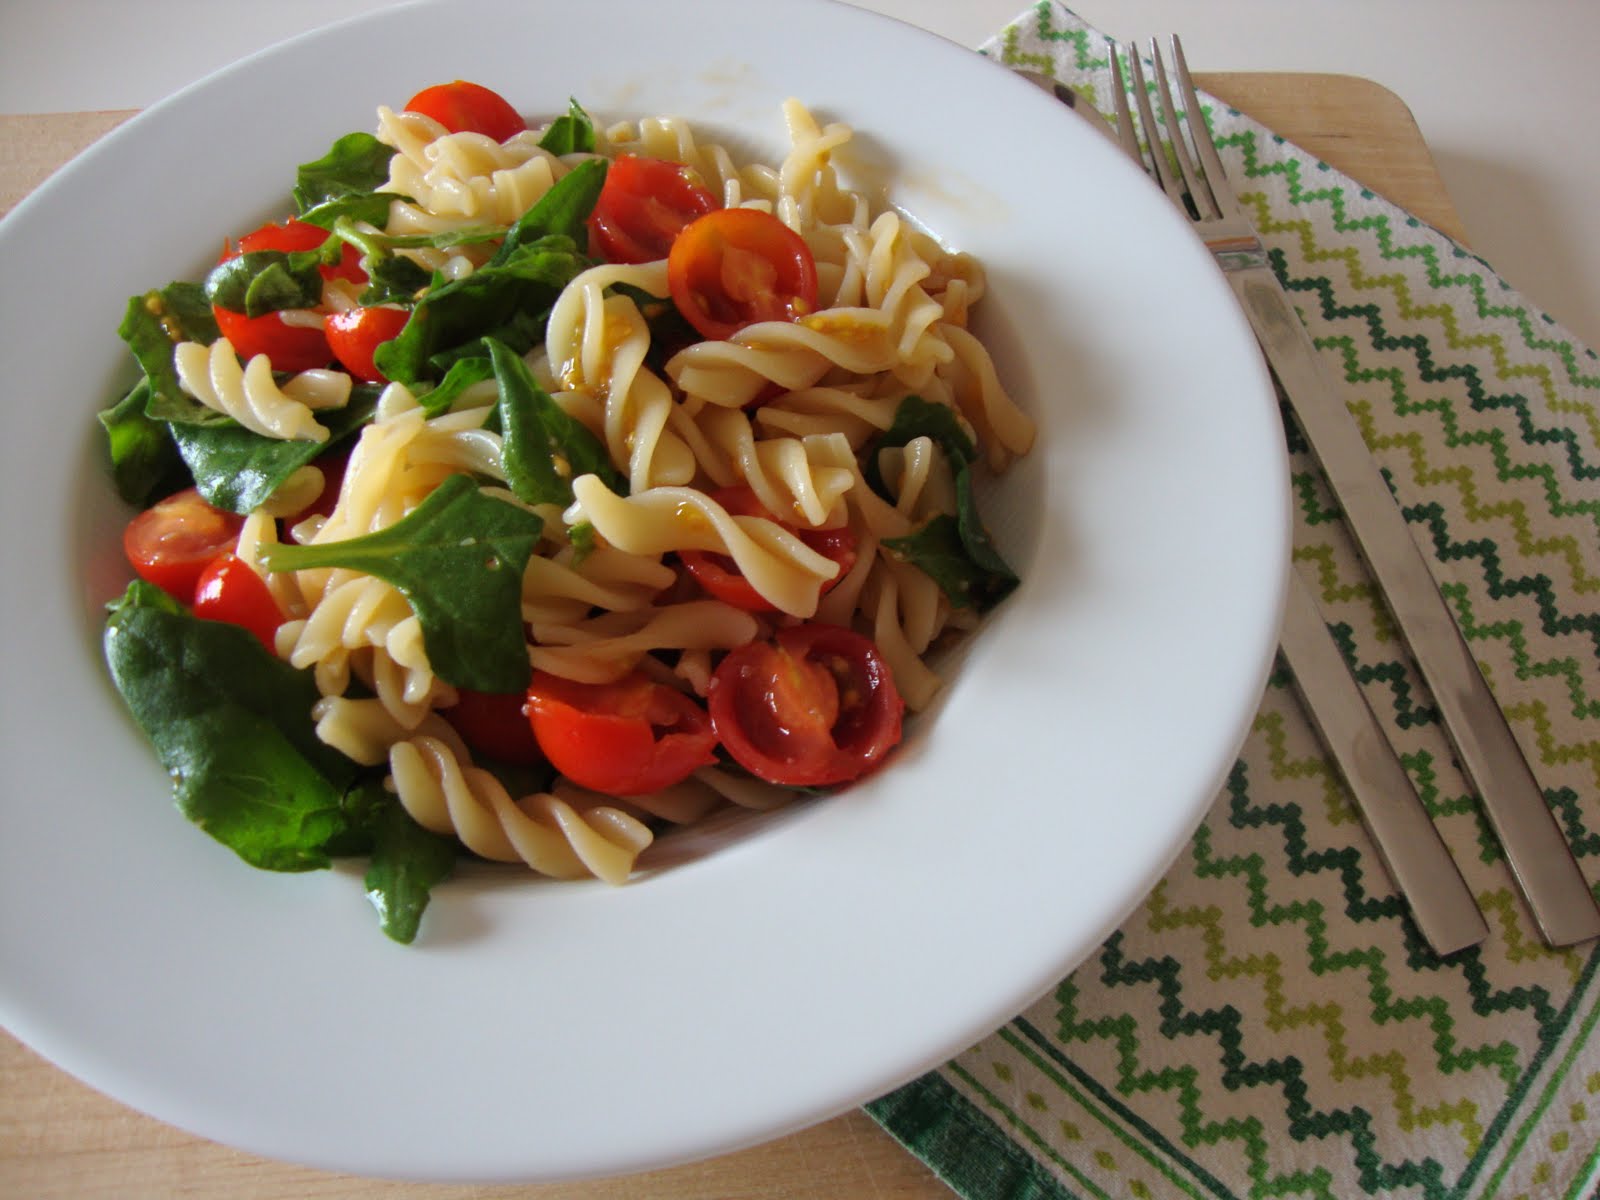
1503	90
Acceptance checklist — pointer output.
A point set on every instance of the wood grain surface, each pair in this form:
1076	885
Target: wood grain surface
60	1139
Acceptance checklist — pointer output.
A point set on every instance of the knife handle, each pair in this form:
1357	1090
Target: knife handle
1407	840
1542	863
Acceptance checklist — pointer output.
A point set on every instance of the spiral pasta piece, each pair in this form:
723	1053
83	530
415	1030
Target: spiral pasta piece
782	568
444	792
248	393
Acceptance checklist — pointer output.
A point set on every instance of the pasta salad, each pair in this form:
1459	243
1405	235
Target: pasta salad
531	490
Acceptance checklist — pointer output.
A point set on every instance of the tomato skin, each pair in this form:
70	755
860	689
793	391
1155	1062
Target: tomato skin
737	266
494	725
816	706
354	335
625	738
170	543
643	206
229	590
720	578
463	107
292	348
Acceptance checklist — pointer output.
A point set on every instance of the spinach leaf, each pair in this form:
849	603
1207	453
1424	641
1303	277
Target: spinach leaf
237	469
232	726
509	301
956	552
563	211
407	860
456	381
344	182
145	464
265	281
152	325
393	280
458	558
544	448
570	134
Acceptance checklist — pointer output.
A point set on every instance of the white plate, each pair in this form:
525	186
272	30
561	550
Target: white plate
545	1031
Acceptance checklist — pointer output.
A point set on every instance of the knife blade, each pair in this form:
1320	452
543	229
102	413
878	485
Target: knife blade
1406	838
1541	862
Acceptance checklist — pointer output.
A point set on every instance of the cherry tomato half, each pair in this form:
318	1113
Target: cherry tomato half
642	207
494	725
624	738
230	590
720	577
354	335
814	707
463	107
174	540
737	266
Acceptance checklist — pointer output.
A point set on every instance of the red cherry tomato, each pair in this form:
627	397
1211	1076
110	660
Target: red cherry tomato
230	590
172	542
463	107
720	577
737	266
624	738
494	725
291	347
814	707
642	207
355	334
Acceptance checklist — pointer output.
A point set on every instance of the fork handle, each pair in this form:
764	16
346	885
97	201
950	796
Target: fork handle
1408	842
1540	859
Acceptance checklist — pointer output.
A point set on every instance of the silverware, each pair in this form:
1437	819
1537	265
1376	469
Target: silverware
1541	862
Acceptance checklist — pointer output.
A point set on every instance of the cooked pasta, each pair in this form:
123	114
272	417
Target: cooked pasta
709	495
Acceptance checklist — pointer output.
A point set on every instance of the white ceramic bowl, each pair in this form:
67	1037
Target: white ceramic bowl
547	1031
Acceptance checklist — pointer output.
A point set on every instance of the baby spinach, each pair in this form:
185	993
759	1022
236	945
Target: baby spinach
544	448
406	862
955	551
264	281
344	182
237	469
152	325
458	558
145	464
231	724
509	301
563	211
572	133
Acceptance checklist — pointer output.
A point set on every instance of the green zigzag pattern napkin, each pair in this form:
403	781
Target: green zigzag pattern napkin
1269	1023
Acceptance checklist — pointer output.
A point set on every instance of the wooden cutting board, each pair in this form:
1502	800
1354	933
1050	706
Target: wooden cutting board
60	1140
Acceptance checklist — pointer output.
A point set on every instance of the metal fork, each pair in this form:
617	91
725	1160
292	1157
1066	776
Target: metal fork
1541	862
1405	836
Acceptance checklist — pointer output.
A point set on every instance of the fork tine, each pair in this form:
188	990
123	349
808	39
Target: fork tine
1126	134
1152	133
1205	206
1210	163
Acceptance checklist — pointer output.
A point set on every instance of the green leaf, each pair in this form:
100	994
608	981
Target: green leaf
563	211
544	447
394	280
458	558
232	726
914	418
570	134
407	861
956	552
145	464
265	281
152	325
509	302
237	469
351	171
461	376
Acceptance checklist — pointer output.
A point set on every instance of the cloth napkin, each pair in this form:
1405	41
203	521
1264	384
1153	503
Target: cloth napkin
1269	1022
